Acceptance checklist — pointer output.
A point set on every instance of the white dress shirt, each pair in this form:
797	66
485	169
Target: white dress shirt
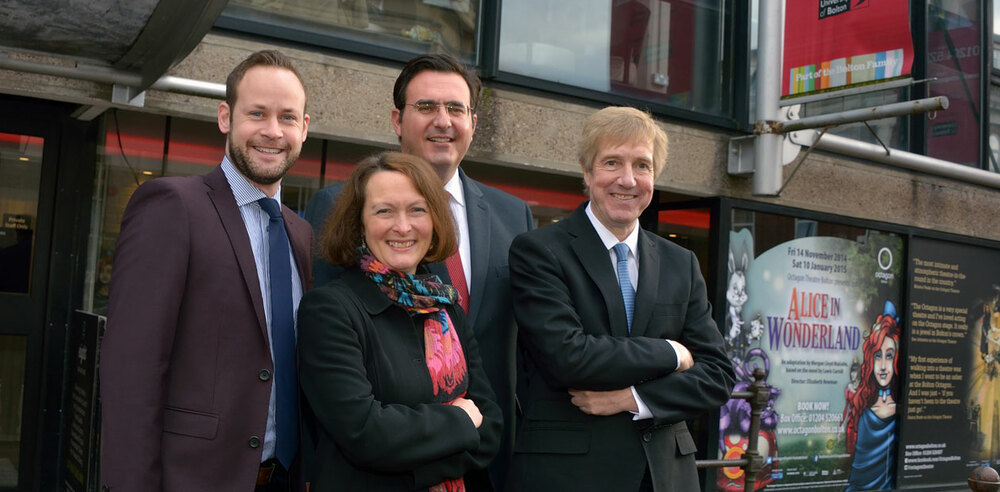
256	221
632	241
456	202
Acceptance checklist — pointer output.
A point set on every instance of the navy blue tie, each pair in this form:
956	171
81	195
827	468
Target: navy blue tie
282	335
628	293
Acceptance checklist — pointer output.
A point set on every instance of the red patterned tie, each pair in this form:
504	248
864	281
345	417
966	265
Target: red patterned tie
457	274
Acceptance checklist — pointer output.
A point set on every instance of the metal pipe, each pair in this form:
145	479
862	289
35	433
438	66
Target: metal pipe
107	75
103	75
865	114
767	174
897	158
722	463
169	83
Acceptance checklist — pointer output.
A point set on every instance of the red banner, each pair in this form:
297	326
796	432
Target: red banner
834	44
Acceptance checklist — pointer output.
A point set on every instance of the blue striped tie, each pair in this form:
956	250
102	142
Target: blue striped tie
286	383
624	283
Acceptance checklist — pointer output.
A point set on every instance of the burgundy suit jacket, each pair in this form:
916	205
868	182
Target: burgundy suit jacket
185	362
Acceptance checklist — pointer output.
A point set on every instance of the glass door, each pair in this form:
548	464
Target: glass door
24	239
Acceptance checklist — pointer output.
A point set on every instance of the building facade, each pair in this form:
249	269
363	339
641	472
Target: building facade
82	124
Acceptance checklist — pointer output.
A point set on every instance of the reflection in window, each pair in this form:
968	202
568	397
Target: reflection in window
688	227
12	359
774	229
993	159
954	37
893	132
130	152
664	51
20	176
551	197
137	147
417	26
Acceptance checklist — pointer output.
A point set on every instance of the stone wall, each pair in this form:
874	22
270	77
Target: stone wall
351	100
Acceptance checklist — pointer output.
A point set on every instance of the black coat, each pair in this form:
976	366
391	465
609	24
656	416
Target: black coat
575	335
494	219
368	394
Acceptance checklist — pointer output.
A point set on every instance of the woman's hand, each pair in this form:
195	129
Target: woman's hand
471	409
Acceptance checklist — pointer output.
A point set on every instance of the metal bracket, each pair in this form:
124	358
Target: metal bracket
740	161
130	96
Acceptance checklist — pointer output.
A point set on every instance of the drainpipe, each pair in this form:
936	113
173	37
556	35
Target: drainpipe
767	174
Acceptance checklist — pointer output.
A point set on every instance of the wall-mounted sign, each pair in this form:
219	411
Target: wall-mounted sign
16	221
81	442
835	44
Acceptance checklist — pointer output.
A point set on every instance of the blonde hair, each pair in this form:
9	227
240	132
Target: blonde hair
617	125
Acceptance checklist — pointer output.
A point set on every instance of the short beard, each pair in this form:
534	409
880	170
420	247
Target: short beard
242	163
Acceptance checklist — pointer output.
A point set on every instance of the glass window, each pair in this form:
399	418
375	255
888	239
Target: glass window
21	174
993	163
129	152
194	147
893	132
954	58
302	180
137	147
551	197
414	26
12	360
341	157
690	229
664	51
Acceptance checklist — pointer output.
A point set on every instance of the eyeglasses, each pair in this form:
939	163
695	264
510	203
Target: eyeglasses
428	108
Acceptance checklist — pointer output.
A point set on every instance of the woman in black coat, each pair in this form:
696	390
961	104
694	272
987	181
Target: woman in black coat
394	385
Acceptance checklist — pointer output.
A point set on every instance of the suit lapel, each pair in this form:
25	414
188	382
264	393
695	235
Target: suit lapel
229	214
596	262
649	283
477	213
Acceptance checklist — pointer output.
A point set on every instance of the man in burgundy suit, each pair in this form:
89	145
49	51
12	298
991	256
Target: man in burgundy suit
198	382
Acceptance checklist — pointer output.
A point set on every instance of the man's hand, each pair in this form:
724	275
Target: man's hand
684	358
604	402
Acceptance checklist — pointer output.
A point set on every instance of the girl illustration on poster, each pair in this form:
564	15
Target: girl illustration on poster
871	425
850	390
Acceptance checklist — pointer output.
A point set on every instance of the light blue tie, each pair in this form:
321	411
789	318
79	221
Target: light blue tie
286	383
624	283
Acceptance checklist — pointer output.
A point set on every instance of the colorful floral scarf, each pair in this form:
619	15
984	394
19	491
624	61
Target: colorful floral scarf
426	294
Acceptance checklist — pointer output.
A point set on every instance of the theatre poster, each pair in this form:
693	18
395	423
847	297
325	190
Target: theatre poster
804	311
951	420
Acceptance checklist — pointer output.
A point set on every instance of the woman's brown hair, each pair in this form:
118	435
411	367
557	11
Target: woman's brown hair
344	228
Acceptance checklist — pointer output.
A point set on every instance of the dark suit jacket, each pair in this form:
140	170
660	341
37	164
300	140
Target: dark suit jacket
183	388
367	386
494	218
575	335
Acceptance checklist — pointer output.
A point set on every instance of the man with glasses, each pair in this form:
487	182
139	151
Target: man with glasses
435	99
